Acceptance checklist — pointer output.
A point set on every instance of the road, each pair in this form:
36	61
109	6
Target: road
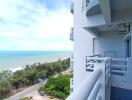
25	92
32	91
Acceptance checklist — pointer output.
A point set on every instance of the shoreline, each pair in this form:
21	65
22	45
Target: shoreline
17	60
20	67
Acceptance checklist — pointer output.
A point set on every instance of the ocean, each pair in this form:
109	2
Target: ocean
15	60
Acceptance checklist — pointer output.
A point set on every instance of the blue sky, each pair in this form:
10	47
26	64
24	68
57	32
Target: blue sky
35	25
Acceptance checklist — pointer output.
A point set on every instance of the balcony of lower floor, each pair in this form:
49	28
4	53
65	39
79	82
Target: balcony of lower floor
72	7
71	85
71	61
71	65
71	37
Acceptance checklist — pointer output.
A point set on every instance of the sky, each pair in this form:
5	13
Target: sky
35	25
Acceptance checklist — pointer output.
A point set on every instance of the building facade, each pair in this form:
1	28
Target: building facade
101	34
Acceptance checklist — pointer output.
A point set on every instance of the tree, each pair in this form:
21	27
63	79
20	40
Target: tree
6	74
31	73
58	87
4	88
19	78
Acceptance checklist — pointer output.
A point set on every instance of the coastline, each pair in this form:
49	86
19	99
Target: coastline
17	60
14	69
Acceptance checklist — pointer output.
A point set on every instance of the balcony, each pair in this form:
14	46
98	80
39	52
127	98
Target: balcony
72	34
92	7
71	61
97	85
71	65
72	8
97	13
119	72
71	85
104	72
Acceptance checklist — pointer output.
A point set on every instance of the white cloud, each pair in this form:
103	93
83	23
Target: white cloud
57	23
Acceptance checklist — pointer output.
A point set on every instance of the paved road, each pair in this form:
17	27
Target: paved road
31	90
25	92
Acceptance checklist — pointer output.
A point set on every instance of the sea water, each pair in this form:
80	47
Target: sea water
15	60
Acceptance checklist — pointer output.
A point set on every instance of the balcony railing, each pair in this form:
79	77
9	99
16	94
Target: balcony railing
92	7
95	86
71	64
85	88
72	8
71	85
119	67
119	71
72	34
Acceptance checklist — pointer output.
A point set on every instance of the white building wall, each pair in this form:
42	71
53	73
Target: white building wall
82	48
110	42
83	44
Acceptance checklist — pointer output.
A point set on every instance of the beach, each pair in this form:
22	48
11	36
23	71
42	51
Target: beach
16	60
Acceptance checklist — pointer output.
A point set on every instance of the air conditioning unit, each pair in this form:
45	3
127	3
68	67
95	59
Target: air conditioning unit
123	28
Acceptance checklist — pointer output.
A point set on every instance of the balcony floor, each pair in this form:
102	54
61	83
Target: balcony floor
120	94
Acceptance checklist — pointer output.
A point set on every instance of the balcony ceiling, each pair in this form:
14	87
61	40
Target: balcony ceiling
117	5
106	28
121	10
114	13
116	10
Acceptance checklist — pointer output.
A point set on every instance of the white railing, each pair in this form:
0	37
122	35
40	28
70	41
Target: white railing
119	67
71	64
119	72
72	34
104	63
107	79
94	87
71	61
71	85
84	90
72	7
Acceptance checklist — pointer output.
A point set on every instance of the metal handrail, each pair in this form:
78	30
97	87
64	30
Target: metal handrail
97	58
94	93
96	85
86	87
72	7
118	59
72	34
119	68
